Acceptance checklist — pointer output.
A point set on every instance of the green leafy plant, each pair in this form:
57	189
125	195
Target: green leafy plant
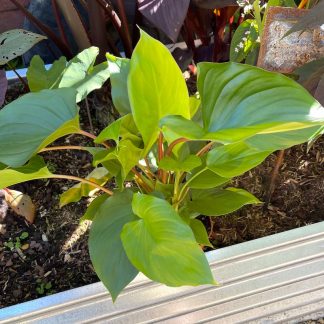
43	287
17	242
170	157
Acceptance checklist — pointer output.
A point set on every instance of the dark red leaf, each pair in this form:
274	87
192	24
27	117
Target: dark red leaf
167	15
212	4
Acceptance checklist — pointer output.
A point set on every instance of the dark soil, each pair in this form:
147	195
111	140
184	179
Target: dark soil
54	257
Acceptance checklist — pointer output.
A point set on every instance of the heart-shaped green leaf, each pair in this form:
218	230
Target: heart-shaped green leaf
40	78
35	120
106	249
16	42
83	75
239	101
234	159
156	88
202	178
189	163
74	194
220	202
119	69
162	246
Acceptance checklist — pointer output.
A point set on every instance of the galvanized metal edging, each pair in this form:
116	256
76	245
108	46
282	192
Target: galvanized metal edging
275	279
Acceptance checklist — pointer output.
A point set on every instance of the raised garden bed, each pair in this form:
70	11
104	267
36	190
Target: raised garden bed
55	255
274	279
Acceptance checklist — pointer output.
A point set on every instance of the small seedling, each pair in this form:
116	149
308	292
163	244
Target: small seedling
43	287
17	242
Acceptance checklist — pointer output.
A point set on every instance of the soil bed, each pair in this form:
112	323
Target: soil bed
54	257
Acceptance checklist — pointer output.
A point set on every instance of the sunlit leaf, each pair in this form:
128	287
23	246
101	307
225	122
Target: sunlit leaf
119	69
239	101
187	164
162	246
234	159
156	88
82	75
40	78
15	42
99	175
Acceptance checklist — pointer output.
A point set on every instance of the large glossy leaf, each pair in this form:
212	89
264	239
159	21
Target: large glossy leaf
202	178
239	101
35	120
3	86
167	15
34	169
162	246
187	164
40	78
234	159
119	69
282	140
314	18
156	87
83	75
220	202
74	194
16	42
106	249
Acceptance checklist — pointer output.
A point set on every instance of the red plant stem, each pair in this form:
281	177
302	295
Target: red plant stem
93	137
205	149
141	182
160	155
160	147
274	176
66	147
174	143
69	177
124	28
59	22
24	83
89	115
